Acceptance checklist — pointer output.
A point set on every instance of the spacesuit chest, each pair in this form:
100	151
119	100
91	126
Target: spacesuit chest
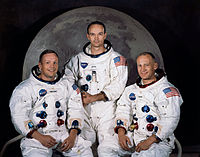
144	110
49	107
94	75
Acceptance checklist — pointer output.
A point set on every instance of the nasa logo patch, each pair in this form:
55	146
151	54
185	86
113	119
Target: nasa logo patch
132	96
84	65
42	92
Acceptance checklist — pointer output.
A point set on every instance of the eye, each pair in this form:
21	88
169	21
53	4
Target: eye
91	34
101	33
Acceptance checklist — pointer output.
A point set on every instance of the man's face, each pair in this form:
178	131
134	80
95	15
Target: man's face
146	67
96	35
48	66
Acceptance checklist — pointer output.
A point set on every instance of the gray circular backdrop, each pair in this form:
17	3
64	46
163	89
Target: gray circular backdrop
66	34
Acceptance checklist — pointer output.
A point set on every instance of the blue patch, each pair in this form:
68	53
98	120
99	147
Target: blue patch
88	77
116	59
150	118
75	124
60	113
30	125
45	105
84	87
155	129
84	65
145	109
42	92
57	104
75	87
41	114
120	122
132	96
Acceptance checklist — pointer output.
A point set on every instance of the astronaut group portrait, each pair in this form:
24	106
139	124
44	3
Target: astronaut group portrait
90	103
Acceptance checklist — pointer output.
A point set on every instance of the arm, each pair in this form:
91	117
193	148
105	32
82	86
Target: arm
69	142
123	120
169	109
144	145
46	140
123	139
70	70
20	107
88	98
74	108
119	76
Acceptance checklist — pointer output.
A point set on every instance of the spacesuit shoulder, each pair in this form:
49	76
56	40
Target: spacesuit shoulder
167	90
22	90
115	54
130	88
164	83
24	84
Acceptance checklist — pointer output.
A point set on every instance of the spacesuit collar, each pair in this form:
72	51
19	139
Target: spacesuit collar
36	72
159	73
87	48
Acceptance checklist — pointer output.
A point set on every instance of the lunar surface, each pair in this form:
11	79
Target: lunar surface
66	34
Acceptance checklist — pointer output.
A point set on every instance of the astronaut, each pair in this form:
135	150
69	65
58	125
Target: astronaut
42	106
150	109
101	74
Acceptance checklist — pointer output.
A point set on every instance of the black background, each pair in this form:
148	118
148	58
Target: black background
174	24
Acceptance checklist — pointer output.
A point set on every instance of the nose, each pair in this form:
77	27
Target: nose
143	68
96	37
52	65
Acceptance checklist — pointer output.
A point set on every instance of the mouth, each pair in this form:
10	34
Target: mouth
51	70
144	73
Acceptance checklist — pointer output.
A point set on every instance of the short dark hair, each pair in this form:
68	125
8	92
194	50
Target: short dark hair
47	51
147	53
96	23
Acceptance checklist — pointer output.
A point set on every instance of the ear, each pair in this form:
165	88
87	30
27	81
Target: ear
105	35
155	66
40	66
88	37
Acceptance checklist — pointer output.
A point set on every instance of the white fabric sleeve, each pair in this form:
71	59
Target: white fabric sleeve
119	76
75	108
124	112
20	106
169	108
71	70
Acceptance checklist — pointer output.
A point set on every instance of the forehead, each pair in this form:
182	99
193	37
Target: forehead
144	58
96	27
49	56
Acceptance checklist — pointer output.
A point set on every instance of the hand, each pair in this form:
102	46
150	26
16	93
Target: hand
86	98
69	142
46	140
123	139
144	145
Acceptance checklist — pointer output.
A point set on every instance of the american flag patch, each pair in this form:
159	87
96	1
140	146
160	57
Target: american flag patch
75	87
120	60
171	91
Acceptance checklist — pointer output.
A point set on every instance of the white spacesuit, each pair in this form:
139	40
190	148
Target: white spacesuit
106	72
153	109
43	105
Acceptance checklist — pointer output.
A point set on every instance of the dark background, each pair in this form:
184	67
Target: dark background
174	24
